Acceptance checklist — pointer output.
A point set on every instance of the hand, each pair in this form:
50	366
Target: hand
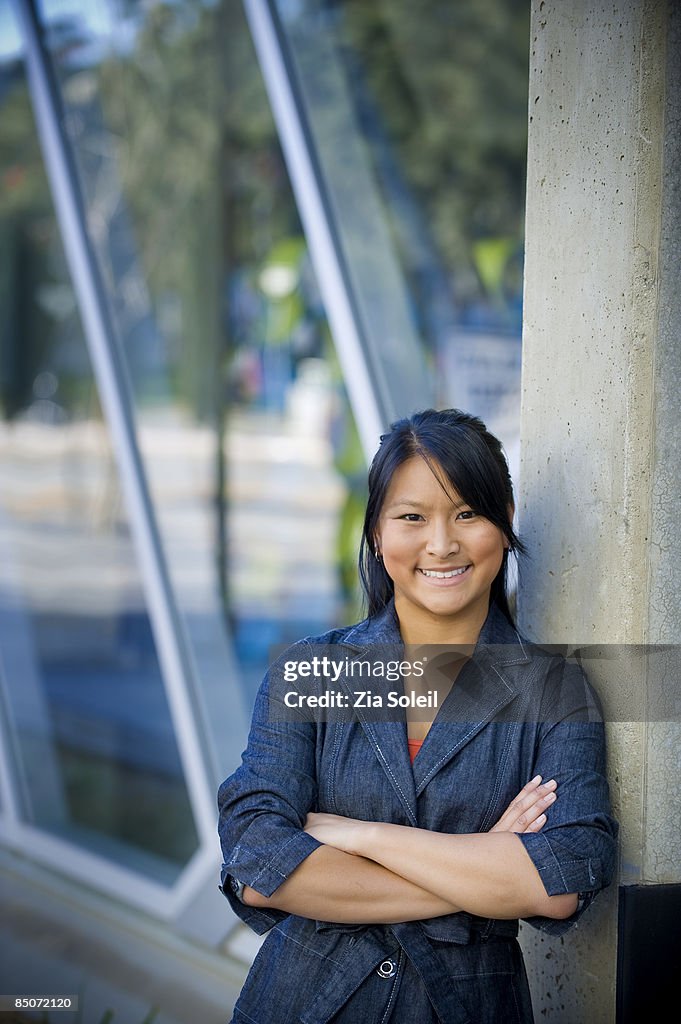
526	812
334	830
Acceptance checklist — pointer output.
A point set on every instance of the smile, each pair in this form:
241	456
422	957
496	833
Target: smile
444	575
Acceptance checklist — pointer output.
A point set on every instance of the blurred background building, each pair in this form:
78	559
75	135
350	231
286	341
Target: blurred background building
237	239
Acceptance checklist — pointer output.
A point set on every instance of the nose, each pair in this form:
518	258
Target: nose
442	539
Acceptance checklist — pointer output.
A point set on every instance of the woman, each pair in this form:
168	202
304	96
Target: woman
392	850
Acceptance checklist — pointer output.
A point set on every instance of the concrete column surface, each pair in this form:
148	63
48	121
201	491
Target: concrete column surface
600	476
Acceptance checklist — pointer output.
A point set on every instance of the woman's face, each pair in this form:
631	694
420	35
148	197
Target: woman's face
440	555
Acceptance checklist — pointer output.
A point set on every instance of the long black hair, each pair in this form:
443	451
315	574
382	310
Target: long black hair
474	463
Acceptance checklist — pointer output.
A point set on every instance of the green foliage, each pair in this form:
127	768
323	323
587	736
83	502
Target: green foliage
24	190
450	80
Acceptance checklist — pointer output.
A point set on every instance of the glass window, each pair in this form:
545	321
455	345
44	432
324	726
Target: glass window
415	119
95	756
417	113
249	446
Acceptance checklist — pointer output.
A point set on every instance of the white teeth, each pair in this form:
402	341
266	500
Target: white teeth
444	575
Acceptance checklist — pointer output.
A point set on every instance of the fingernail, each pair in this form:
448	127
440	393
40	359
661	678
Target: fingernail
537	778
542	818
550	784
550	798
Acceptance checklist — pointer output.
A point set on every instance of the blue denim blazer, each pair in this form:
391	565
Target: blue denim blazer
515	711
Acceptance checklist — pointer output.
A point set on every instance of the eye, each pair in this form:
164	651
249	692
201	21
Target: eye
467	513
411	517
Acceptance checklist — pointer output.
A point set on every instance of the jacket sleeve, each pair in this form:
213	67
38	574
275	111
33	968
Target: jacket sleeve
576	850
263	805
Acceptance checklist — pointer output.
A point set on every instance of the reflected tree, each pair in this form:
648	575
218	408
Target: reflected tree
450	83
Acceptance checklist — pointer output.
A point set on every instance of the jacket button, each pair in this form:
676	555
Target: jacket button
387	969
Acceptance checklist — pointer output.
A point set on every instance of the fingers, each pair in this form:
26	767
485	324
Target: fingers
530	790
526	812
533	792
537	824
530	806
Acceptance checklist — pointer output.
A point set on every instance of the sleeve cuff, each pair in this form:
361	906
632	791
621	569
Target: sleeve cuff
259	920
247	865
245	868
577	875
564	874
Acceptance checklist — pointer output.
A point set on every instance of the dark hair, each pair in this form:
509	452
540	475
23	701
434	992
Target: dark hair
474	463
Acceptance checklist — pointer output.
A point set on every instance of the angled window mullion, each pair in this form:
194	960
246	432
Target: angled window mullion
10	814
114	389
369	406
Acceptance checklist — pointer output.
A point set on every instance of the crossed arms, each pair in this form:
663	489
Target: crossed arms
380	873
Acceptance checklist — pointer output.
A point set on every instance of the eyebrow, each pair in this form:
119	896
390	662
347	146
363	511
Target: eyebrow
410	503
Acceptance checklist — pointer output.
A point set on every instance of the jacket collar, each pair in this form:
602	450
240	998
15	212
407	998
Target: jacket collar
499	641
382	628
483	688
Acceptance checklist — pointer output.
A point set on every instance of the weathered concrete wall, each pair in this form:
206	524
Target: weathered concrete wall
662	850
600	476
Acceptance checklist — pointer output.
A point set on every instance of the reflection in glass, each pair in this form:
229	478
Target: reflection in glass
249	447
417	118
417	113
95	755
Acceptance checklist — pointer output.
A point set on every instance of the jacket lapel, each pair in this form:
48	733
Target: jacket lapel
379	639
483	688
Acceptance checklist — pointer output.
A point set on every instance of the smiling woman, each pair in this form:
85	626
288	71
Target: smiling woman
450	460
394	856
442	556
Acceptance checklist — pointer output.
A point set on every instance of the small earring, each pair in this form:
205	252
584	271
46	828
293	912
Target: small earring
377	555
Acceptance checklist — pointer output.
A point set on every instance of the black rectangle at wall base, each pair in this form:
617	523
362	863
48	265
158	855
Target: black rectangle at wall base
648	952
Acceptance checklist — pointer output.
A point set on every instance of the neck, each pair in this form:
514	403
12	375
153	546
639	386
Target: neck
423	629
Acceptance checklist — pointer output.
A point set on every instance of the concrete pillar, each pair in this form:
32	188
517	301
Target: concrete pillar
600	477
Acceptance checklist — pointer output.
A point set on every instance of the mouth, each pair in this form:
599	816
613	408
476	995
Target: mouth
447	574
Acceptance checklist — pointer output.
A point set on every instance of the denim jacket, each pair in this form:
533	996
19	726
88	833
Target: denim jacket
515	711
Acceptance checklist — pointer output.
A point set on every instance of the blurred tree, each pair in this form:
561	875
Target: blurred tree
450	82
202	172
39	312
